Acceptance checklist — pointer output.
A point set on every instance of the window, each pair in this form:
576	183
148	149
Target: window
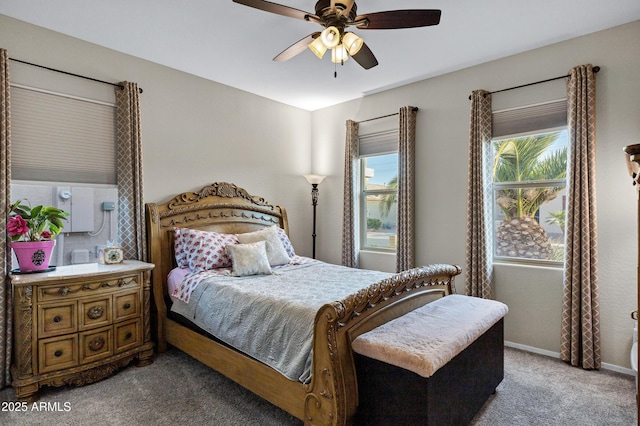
379	206
529	178
64	154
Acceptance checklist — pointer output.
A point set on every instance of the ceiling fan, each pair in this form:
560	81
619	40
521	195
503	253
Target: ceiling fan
336	16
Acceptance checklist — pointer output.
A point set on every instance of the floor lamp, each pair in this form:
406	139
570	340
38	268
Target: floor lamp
314	180
633	166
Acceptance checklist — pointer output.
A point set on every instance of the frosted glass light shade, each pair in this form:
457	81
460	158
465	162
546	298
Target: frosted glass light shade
314	179
352	43
317	47
330	37
339	54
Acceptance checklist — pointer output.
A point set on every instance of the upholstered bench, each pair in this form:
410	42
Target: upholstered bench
436	365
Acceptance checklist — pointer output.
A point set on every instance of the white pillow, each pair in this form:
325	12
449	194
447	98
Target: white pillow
276	253
249	259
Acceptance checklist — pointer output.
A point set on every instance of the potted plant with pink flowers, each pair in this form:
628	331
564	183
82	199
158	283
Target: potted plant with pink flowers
32	231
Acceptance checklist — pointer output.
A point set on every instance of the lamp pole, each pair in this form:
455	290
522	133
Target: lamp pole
314	180
314	202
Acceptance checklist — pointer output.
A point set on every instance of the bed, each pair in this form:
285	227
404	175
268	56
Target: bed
330	394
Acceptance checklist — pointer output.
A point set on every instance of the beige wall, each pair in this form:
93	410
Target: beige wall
533	294
196	131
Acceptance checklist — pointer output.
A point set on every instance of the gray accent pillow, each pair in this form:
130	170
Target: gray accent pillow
249	259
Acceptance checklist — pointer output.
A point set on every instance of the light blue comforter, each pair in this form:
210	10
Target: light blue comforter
270	317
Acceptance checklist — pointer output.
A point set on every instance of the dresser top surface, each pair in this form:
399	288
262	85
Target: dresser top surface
86	270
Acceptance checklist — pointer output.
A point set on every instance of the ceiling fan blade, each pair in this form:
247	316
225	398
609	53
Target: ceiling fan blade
279	9
365	57
296	48
393	19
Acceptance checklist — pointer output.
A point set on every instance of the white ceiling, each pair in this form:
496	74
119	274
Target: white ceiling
233	44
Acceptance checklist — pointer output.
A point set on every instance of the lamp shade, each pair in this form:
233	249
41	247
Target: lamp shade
314	179
339	54
318	47
352	43
330	37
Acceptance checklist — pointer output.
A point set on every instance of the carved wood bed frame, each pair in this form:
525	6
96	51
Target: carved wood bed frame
331	397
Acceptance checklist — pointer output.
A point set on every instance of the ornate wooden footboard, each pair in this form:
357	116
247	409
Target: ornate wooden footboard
332	396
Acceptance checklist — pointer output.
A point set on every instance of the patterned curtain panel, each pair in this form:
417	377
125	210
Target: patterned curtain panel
479	239
581	307
131	225
349	218
5	201
405	257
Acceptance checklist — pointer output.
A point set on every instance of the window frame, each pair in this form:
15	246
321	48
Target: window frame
105	115
363	192
496	186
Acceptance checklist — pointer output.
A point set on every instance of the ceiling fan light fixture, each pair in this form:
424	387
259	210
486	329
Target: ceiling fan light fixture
352	43
339	54
318	47
330	36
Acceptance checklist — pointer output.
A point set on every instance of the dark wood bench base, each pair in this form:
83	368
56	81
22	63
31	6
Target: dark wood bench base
390	395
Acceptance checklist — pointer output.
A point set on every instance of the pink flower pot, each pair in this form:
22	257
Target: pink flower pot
33	255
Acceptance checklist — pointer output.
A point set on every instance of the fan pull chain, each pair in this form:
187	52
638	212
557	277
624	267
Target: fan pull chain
335	68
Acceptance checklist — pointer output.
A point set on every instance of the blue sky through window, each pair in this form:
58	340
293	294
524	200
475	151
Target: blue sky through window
385	168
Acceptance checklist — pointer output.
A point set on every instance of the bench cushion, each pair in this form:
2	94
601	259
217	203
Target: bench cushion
427	338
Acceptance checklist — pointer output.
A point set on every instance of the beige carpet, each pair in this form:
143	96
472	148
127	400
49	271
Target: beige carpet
178	390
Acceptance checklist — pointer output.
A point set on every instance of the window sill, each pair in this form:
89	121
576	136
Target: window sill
379	251
537	264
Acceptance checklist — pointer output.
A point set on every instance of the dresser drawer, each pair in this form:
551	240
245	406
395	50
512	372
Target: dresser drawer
57	353
128	335
126	305
94	312
54	320
96	344
86	289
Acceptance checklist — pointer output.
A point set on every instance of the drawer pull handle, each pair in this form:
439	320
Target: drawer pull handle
57	353
128	336
127	305
57	318
96	344
95	312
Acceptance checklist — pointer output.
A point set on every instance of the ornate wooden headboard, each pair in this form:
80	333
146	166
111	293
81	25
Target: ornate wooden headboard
222	207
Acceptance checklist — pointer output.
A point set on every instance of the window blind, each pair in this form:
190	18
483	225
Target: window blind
383	142
530	118
58	138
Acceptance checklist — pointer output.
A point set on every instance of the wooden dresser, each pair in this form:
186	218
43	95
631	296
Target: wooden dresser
78	324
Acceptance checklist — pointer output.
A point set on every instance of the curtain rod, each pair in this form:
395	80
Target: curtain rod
383	116
595	70
70	73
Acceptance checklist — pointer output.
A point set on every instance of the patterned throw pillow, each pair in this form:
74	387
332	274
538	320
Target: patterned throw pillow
284	238
203	250
179	249
276	252
249	259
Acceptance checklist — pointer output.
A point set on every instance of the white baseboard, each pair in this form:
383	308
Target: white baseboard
605	366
